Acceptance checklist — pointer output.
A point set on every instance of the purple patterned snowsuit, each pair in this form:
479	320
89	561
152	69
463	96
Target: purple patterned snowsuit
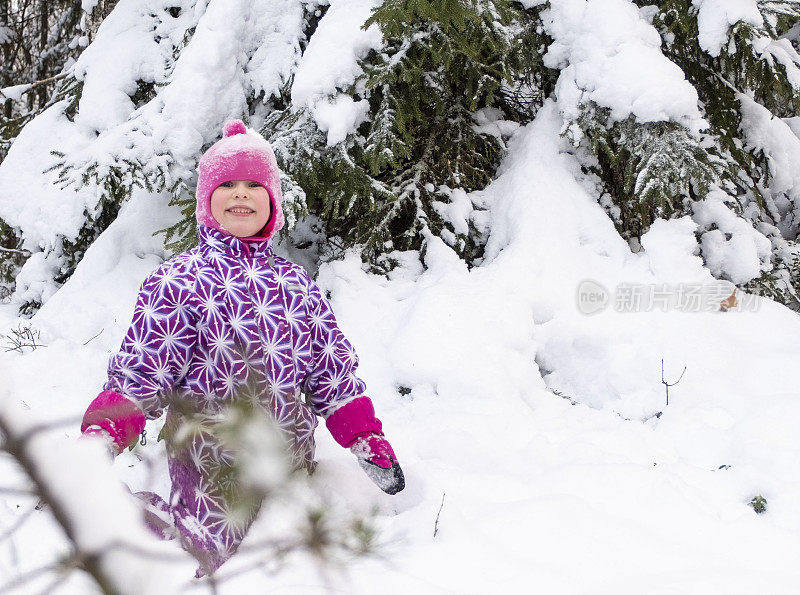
225	320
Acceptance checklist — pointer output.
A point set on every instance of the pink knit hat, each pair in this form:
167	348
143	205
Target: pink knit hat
241	154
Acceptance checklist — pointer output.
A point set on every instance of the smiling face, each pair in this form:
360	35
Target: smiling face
241	207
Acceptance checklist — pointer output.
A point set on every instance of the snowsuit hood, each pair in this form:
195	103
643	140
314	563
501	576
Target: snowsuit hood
241	154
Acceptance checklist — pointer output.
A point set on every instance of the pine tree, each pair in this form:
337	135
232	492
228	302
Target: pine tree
444	67
126	154
387	183
656	170
39	38
384	186
650	170
757	61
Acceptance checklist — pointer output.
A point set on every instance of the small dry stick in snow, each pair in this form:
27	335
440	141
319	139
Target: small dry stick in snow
667	384
97	335
436	525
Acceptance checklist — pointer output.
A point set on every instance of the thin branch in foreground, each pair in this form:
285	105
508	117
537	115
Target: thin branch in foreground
26	577
17	524
38	428
17	492
15	445
52	585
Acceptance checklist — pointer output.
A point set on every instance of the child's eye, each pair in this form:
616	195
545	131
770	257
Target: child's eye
255	185
227	184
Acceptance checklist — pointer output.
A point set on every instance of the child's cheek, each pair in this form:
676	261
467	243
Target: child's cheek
218	201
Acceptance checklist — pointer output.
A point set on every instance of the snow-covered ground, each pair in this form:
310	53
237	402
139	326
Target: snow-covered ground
524	397
584	491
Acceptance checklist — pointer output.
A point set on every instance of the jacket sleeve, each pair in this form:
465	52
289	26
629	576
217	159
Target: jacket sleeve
332	379
158	346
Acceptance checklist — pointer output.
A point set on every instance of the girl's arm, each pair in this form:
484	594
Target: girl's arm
332	380
154	356
336	393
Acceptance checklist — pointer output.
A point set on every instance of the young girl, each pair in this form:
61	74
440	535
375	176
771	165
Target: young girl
229	321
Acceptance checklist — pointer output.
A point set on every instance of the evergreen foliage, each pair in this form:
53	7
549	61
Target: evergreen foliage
651	170
655	170
114	184
759	504
383	187
12	256
742	66
445	66
182	235
95	223
752	63
115	179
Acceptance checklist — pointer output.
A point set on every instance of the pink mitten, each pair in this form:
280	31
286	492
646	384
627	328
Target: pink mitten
115	415
375	449
355	426
113	449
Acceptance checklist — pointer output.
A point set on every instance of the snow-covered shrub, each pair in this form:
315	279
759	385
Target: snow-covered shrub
651	170
39	40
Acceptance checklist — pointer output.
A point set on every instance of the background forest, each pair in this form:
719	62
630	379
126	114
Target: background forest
384	149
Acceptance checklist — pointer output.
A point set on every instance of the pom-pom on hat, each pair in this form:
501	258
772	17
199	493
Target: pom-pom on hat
240	154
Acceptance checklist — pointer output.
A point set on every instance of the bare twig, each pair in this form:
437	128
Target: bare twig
277	549
23	337
16	446
144	552
93	338
667	384
16	492
212	585
26	577
51	586
19	522
38	428
436	525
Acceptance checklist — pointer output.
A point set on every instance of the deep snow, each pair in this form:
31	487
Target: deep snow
540	494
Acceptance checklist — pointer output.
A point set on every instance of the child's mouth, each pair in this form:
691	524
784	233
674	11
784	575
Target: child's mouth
240	211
